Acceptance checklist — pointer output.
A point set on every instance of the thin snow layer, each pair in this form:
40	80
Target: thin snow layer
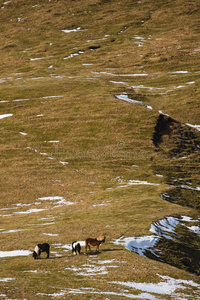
162	228
52	202
117	294
72	30
14	253
165	227
180	72
5	116
195	229
136	182
29	211
125	97
47	97
6	280
138	87
39	58
148	291
167	286
13	230
89	270
45	154
20	100
187	187
133	290
73	55
194	126
188	219
94	268
121	75
60	201
138	244
51	234
64	162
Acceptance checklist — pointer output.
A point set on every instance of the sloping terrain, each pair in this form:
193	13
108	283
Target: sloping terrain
99	123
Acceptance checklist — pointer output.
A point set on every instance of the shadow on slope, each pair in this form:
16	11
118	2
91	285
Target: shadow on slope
176	158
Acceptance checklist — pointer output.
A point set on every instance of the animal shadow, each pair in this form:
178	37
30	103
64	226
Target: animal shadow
108	250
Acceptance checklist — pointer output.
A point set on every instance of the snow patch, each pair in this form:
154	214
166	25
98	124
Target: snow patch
167	286
51	234
14	253
73	55
5	116
194	126
6	280
60	200
138	244
137	182
165	227
162	228
57	201
73	30
125	97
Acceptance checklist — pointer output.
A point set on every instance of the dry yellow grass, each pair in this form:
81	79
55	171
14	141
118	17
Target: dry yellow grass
102	140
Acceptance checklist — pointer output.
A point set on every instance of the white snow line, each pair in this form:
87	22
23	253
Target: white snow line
137	182
193	126
6	280
58	96
14	253
39	58
19	100
180	72
127	99
121	75
5	116
73	30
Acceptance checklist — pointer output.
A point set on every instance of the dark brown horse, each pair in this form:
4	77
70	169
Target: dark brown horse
94	242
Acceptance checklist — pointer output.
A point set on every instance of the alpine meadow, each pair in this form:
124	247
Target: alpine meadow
99	147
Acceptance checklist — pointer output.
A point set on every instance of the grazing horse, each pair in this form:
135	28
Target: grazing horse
76	248
94	242
41	248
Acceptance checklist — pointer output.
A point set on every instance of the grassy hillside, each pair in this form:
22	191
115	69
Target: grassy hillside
78	162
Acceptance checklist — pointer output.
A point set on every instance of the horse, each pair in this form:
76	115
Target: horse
41	248
76	248
94	242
